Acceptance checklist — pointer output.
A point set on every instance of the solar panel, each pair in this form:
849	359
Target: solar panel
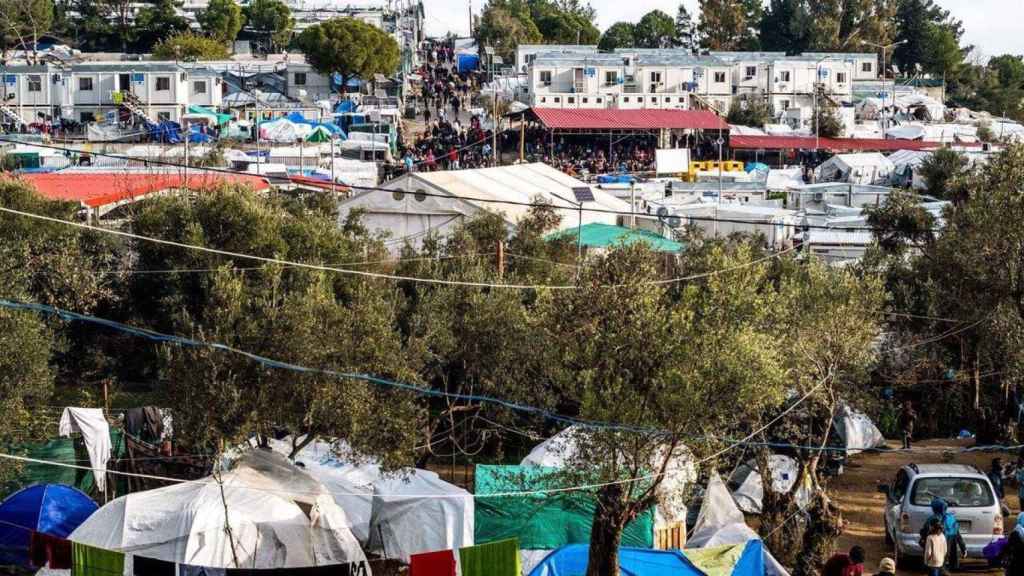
583	194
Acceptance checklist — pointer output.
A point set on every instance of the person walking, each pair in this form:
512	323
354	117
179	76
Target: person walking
935	549
956	548
907	418
995	476
1013	553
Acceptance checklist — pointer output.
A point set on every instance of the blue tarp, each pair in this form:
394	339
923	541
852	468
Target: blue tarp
197	136
615	179
572	561
468	62
756	166
166	132
334	129
345	106
752	561
53	509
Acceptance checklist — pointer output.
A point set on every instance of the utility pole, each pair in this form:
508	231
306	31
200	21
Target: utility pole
884	48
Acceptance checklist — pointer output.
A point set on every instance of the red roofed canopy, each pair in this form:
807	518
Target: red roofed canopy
98	190
615	119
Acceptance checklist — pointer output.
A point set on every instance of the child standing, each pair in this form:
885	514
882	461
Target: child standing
935	549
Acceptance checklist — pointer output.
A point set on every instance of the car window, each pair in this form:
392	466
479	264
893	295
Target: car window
958	492
899	487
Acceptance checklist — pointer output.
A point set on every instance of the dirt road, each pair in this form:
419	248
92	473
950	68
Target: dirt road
862	505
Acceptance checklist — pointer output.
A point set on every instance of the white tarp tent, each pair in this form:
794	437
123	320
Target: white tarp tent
416	512
557	451
284	130
351	485
863	168
280	517
720	523
856	430
750	488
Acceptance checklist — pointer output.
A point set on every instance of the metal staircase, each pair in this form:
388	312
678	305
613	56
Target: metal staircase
131	103
11	115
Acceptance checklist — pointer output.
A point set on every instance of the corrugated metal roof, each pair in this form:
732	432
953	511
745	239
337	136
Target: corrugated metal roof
614	119
96	190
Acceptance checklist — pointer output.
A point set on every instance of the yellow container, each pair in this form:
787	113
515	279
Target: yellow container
733	166
697	167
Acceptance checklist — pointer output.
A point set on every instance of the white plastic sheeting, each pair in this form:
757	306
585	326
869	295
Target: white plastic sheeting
856	430
750	490
279	517
417	512
95	431
560	449
284	130
720	523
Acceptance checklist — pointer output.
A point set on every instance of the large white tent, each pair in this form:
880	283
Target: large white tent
423	203
856	431
279	517
861	168
416	511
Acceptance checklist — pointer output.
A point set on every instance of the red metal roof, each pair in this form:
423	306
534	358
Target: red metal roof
613	119
835	144
317	183
100	189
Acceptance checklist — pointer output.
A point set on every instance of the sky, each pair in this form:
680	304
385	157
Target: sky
993	26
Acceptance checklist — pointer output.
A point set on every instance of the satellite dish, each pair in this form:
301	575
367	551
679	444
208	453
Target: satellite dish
674	221
663	212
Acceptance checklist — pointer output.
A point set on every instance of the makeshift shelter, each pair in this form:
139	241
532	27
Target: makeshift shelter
62	450
543	521
606	236
415	511
279	517
283	130
51	509
865	168
906	164
721	523
561	448
750	488
856	431
572	561
319	134
219	118
350	485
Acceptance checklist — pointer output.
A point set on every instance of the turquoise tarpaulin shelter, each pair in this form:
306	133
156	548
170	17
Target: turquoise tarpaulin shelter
543	521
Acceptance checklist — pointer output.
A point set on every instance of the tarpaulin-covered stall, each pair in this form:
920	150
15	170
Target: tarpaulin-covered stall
51	509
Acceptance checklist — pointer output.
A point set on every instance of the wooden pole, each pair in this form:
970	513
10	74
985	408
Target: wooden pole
501	259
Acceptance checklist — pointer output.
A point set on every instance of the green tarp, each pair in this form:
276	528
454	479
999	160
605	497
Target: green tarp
541	521
319	134
222	119
66	450
596	235
717	560
494	559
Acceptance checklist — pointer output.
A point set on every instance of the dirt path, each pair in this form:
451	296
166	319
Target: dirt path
862	504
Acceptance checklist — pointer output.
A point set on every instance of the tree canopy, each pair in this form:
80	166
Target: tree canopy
655	30
271	21
350	48
618	35
191	47
222	20
729	24
505	24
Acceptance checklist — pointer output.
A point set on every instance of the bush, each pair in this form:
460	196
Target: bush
190	47
752	112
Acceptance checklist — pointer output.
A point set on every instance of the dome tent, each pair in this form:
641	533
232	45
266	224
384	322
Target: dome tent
280	517
53	509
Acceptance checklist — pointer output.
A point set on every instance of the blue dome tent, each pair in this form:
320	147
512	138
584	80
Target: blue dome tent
53	509
571	560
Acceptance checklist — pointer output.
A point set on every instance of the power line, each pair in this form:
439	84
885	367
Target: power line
425	193
363	273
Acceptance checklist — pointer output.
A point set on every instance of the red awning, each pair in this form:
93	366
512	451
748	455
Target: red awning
96	190
834	144
613	119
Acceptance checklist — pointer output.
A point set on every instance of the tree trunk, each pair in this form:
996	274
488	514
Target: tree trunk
825	524
606	533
